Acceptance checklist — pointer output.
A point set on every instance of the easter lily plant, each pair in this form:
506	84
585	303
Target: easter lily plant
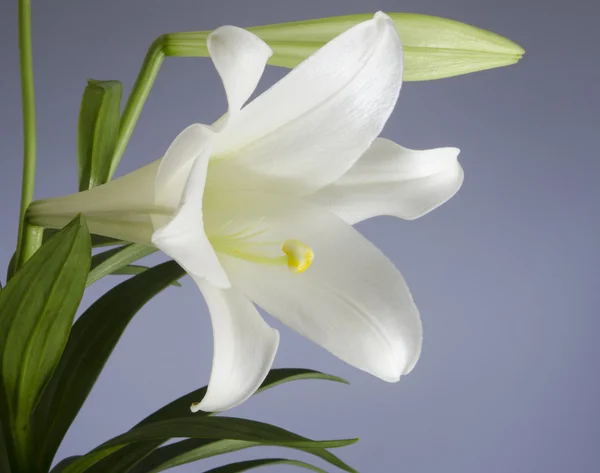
258	208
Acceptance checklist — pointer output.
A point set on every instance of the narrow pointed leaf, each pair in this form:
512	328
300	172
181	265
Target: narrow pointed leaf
195	449
92	340
181	406
37	308
101	240
99	120
108	262
252	464
97	240
221	428
60	467
192	450
85	462
209	428
10	271
124	459
188	451
133	269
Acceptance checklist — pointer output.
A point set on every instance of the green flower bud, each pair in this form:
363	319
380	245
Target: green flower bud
434	48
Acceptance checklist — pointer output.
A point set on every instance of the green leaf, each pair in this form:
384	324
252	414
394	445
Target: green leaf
195	449
84	462
125	458
221	428
191	450
60	467
6	441
251	464
133	269
188	451
113	260
211	428
99	119
4	459
181	406
37	308
10	271
92	340
97	240
101	240
117	261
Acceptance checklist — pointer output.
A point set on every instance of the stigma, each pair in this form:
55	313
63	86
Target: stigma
299	255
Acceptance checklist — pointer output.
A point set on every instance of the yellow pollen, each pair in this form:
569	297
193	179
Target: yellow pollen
299	255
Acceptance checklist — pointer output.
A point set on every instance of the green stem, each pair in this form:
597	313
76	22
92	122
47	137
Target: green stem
143	84
172	44
30	237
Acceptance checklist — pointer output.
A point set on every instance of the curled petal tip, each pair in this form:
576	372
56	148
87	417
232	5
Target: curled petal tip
452	150
228	34
412	362
394	375
381	16
391	379
195	407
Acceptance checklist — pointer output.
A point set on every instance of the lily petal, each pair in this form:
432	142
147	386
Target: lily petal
174	169
391	180
183	237
244	349
311	126
240	58
352	300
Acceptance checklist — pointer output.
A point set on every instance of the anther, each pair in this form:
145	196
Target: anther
299	255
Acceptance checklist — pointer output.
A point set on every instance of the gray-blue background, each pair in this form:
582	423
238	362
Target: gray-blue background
506	274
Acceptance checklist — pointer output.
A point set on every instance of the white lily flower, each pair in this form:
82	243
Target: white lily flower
258	208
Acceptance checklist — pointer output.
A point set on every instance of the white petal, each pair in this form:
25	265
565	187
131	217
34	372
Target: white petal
310	127
244	349
391	180
183	237
351	300
177	162
240	58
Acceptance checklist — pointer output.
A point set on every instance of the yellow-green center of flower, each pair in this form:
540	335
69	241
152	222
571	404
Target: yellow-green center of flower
297	256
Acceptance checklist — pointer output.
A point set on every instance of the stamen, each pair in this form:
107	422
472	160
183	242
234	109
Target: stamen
241	244
300	256
259	258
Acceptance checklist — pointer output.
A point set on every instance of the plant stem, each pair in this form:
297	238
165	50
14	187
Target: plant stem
172	44
146	77
30	237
